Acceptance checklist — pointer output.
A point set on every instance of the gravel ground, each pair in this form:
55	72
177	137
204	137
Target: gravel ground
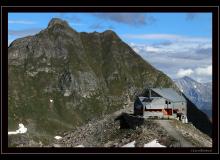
182	141
192	134
107	133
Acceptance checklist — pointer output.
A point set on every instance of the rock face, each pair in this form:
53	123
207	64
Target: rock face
200	94
199	119
85	74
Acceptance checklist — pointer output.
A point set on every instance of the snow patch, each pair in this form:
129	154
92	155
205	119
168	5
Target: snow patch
80	145
154	143
32	74
12	132
51	101
57	145
185	119
67	93
57	137
21	129
195	86
131	144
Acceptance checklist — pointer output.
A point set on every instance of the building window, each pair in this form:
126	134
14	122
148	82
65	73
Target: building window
167	102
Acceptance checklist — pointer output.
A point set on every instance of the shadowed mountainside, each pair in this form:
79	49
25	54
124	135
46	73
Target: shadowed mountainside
60	78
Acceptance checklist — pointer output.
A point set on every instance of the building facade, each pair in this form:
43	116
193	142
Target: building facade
161	103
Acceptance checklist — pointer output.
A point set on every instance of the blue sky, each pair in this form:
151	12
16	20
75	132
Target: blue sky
179	44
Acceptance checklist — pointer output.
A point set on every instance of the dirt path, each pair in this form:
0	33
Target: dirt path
174	133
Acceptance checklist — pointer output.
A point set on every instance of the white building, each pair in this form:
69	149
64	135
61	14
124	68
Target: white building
161	103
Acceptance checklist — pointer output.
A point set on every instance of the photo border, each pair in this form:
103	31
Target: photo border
4	83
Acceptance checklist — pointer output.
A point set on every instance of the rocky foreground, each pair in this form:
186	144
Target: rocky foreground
106	132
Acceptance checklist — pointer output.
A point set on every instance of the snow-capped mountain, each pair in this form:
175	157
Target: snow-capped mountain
200	94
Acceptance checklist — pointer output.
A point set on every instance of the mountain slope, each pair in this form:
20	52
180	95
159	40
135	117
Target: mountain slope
106	132
200	94
60	78
198	118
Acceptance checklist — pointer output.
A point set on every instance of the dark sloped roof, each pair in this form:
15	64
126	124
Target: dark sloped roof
145	100
169	94
141	99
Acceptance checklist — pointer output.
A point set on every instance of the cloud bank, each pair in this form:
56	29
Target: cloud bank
134	19
21	22
184	72
24	32
189	56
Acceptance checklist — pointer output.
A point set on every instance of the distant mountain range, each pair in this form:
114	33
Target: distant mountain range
199	93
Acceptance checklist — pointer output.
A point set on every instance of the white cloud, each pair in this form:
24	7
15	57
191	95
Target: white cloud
198	79
179	58
150	36
136	49
76	24
24	32
9	41
170	37
14	34
151	49
206	71
200	74
184	72
21	22
132	19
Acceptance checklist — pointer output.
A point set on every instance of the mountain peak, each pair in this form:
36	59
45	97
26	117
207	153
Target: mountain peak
109	32
188	78
55	21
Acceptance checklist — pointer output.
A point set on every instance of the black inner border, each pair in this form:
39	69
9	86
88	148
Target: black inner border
215	41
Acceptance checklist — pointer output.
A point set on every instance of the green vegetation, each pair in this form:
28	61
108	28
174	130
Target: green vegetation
98	70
